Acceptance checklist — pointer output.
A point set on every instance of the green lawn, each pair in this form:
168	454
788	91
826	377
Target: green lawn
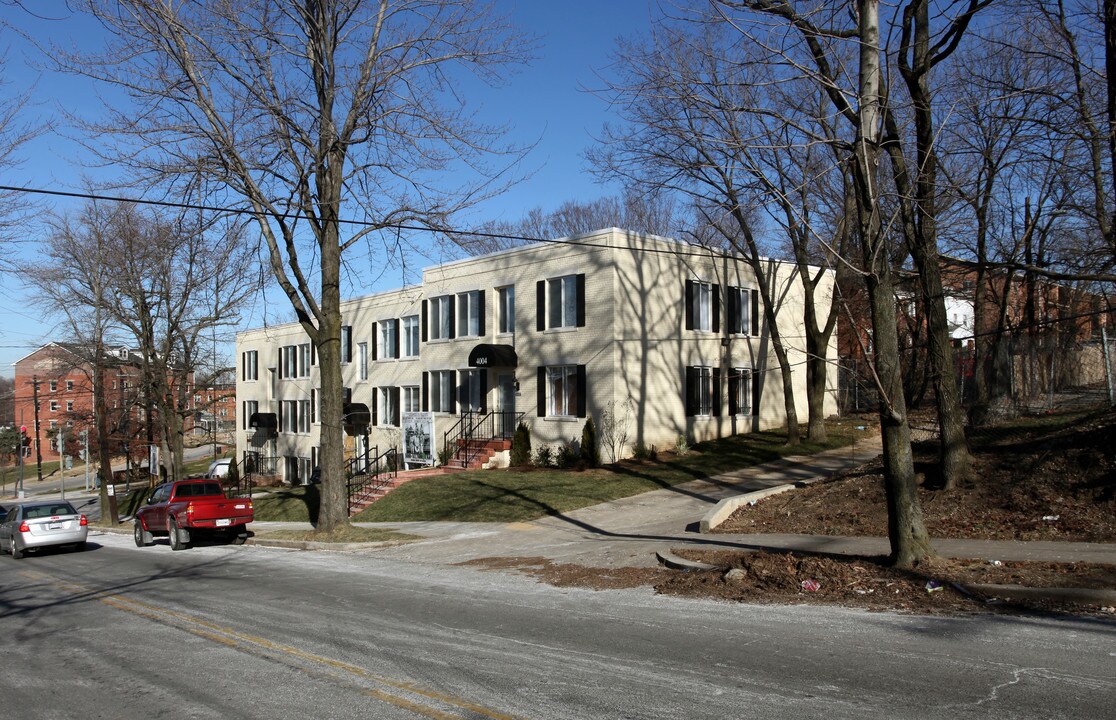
9	475
515	495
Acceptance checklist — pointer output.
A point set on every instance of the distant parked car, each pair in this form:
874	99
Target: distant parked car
33	526
219	468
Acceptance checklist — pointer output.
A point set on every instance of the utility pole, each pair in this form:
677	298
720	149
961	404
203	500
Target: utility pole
38	437
62	457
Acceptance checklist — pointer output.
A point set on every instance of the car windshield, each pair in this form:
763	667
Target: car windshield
43	511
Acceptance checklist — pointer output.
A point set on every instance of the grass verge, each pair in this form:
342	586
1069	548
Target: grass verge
350	534
519	494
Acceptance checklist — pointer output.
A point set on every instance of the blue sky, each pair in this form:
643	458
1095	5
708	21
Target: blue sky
545	101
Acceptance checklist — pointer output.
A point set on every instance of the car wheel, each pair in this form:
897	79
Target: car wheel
239	538
175	539
143	538
17	552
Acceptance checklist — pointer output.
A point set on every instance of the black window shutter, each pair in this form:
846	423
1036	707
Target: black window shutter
480	312
691	391
422	323
733	390
279	417
376	342
243	366
755	392
754	330
482	378
395	409
733	310
689	305
716	308
716	392
452	317
581	409
395	350
375	406
540	307
541	394
426	391
581	302
452	409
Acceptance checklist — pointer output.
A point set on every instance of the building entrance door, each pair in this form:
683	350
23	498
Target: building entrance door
505	405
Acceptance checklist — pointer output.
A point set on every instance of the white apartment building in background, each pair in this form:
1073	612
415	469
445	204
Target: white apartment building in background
669	335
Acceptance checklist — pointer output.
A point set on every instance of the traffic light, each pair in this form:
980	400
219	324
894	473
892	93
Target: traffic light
24	439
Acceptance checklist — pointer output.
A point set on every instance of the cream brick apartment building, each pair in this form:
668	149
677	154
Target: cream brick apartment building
667	334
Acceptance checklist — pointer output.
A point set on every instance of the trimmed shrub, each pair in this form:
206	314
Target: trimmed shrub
521	446
544	457
566	456
590	451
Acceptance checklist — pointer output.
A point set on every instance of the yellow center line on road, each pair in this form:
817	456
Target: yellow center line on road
253	644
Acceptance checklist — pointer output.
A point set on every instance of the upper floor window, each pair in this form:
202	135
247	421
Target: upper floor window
346	343
69	384
505	310
703	306
53	385
362	359
249	365
560	302
743	311
54	406
387	342
304	360
441	318
411	336
470	314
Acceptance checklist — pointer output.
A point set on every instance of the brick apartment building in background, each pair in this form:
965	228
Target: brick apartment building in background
64	375
214	404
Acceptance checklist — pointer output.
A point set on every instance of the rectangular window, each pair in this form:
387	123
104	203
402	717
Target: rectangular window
743	311
69	384
288	362
69	406
441	318
441	391
346	343
388	348
304	416
304	360
411	336
288	422
251	407
740	391
562	301
505	311
470	390
362	359
387	413
412	398
54	406
314	405
249	365
703	391
53	385
703	306
469	310
562	391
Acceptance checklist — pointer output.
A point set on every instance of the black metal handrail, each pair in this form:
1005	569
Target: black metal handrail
249	468
370	471
464	440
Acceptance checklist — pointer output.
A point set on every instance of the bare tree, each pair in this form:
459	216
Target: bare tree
14	133
310	114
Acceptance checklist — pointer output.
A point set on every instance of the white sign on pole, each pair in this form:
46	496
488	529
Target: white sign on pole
418	438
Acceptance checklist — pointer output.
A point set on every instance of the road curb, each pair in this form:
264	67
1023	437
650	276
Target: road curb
674	562
724	509
1084	596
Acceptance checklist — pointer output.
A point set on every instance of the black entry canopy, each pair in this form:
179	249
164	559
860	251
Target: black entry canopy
498	356
357	415
267	421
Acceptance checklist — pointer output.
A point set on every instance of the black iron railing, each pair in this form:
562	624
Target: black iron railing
369	472
466	439
249	470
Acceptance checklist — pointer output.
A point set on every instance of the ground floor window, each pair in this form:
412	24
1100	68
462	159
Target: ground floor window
740	391
387	406
703	391
297	469
562	391
412	398
471	390
442	388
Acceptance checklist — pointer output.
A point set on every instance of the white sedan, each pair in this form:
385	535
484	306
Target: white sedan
32	526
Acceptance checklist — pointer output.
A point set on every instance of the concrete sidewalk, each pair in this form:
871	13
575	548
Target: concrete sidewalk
631	532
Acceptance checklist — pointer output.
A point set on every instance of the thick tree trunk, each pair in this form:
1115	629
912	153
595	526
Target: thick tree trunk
906	532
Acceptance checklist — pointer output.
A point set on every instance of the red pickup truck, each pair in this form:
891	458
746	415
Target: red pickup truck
184	509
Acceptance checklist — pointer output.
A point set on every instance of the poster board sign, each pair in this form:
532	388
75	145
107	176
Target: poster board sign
418	438
153	460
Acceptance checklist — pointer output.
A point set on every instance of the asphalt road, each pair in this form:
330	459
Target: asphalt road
252	632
